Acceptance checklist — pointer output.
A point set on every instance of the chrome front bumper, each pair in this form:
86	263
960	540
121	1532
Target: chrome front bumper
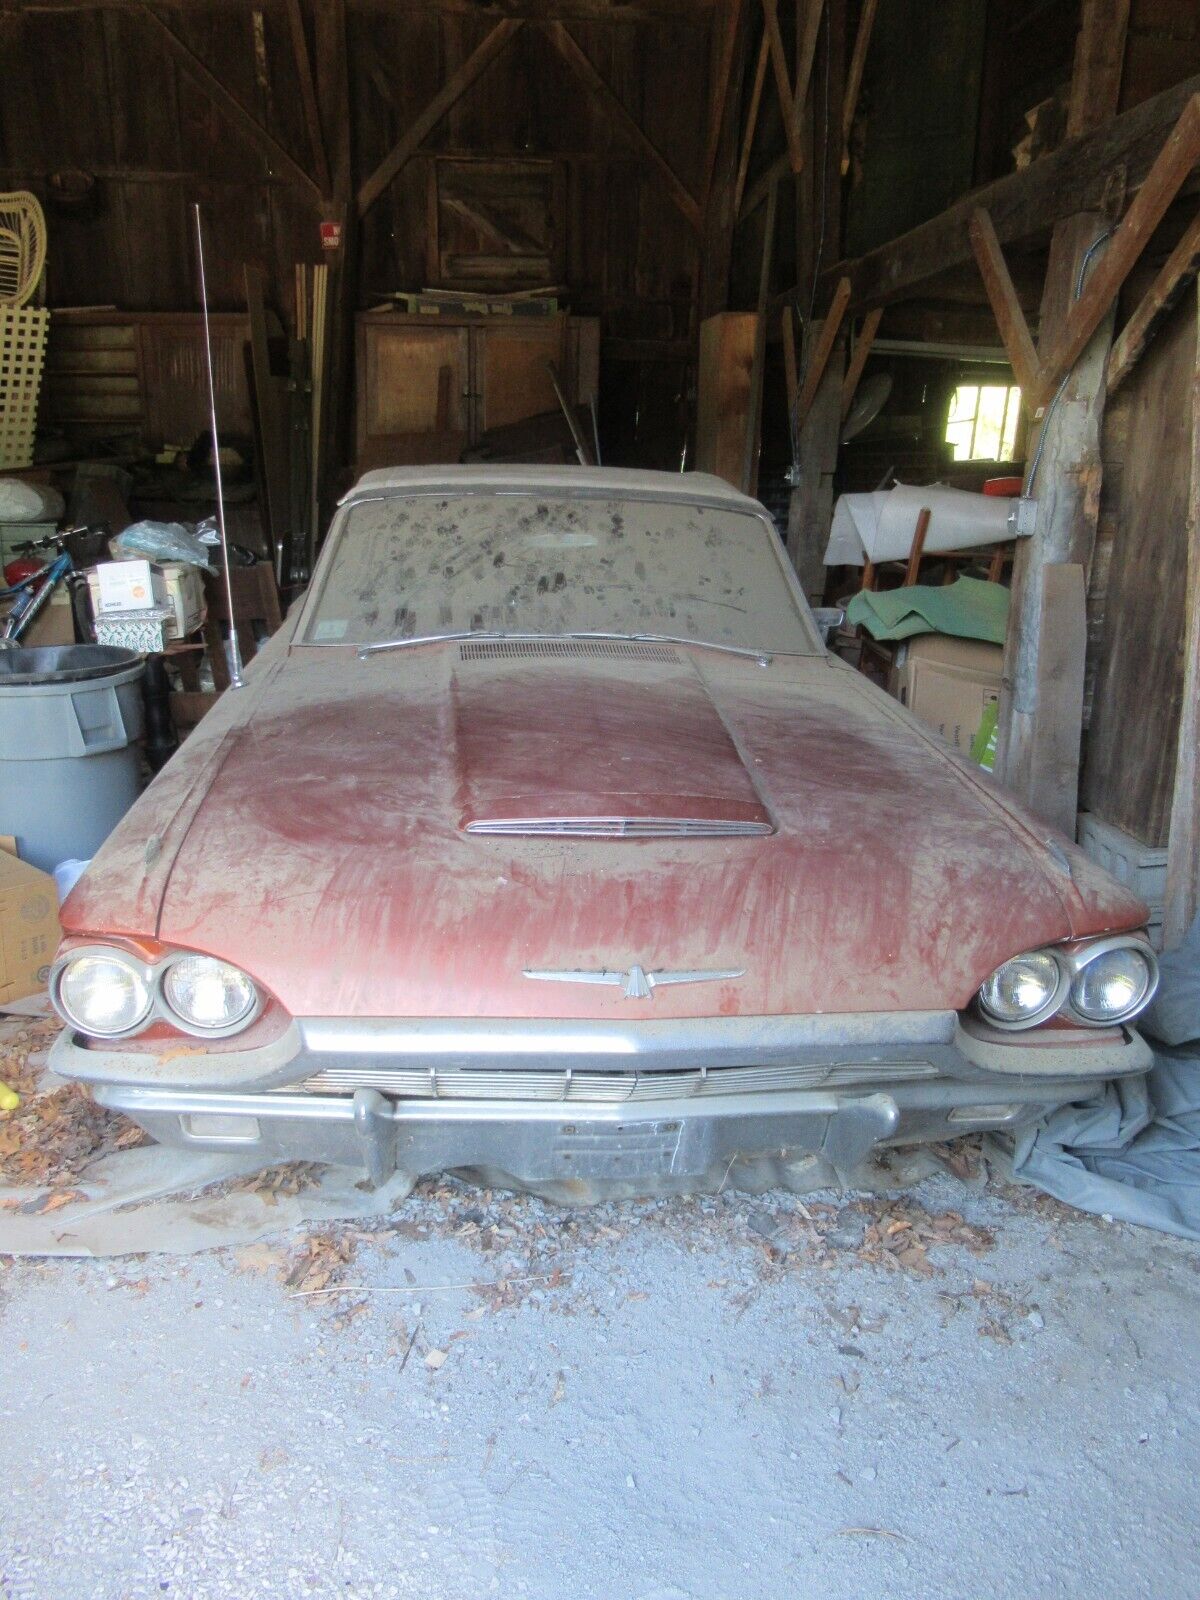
548	1102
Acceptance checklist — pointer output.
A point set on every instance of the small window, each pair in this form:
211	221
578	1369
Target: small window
982	425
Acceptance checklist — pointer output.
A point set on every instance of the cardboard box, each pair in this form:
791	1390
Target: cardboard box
29	930
126	586
948	683
180	586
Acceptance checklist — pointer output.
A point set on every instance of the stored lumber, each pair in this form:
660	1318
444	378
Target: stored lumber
1005	302
232	108
1172	281
1023	205
1183	845
446	98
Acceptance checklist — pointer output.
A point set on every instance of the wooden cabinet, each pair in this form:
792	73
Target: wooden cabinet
428	387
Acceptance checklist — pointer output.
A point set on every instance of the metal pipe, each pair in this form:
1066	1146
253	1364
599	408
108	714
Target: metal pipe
235	651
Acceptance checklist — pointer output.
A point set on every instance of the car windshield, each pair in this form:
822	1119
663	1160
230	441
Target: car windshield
408	567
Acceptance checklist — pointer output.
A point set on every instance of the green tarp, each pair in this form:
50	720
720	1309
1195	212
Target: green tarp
967	608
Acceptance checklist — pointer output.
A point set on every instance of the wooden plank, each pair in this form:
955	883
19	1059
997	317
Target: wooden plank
1054	776
727	345
1006	305
719	93
232	108
831	326
447	96
783	84
754	412
1022	205
854	76
760	78
308	93
858	360
1176	274
564	42
1183	846
1178	156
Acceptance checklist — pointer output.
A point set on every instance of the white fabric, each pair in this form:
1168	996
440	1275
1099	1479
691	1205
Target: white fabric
881	526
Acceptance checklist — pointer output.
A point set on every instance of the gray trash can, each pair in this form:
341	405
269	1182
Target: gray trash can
70	767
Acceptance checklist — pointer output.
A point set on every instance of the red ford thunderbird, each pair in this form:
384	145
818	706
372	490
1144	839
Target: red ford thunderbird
548	842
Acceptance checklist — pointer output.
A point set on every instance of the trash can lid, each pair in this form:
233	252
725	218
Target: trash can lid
63	663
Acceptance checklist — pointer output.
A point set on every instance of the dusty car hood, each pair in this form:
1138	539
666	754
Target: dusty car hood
312	832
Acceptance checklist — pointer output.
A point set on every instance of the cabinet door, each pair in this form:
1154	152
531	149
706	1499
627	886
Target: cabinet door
411	381
512	378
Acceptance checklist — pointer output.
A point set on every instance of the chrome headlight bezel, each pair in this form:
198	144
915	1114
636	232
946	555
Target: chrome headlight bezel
1072	960
1049	1008
152	975
118	958
1082	957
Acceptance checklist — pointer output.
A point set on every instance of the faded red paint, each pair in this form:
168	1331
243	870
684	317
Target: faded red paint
312	833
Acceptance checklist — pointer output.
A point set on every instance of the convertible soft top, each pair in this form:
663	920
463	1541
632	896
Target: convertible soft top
688	487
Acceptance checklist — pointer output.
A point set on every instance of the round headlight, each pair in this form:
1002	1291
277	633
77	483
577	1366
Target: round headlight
209	994
1114	985
103	995
1023	991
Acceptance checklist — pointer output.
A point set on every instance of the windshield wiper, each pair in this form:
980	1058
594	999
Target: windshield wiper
364	650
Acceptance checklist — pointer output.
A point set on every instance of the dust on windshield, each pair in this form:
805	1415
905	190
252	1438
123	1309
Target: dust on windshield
406	567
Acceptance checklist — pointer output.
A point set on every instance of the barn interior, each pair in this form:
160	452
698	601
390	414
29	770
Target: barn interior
922	280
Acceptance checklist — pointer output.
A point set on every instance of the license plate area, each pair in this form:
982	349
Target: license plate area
621	1150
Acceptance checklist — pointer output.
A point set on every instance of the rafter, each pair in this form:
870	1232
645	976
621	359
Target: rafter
719	98
448	96
858	360
232	108
756	90
783	85
308	93
564	42
1160	299
858	61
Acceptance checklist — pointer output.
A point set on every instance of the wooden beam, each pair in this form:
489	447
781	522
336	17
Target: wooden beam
858	360
1179	155
831	326
563	41
783	85
308	94
749	482
719	93
1177	272
1006	305
760	78
1096	71
231	107
787	330
1183	844
807	33
854	76
810	505
1023	205
446	98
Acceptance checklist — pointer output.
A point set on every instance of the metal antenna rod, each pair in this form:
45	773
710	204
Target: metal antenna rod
235	651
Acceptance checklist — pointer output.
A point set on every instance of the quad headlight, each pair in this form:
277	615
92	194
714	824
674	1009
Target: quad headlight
208	994
1101	984
1024	991
104	995
1112	983
109	993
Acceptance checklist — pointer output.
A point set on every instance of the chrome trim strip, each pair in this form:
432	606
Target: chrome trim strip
618	828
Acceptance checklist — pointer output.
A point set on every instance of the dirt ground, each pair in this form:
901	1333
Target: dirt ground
962	1390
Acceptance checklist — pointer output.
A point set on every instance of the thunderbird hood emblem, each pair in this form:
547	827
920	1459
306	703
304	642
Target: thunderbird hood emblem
637	983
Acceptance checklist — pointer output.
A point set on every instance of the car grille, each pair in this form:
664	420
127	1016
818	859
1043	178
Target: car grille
607	1088
622	827
564	649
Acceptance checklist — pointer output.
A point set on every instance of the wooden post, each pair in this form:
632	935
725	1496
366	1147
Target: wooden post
1183	846
333	101
811	509
1042	692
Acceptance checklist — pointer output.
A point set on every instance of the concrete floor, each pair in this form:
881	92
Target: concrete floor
678	1400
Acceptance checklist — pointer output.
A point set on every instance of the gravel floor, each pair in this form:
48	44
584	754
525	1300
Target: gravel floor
678	1400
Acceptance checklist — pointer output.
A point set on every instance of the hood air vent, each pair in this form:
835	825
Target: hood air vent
622	827
564	650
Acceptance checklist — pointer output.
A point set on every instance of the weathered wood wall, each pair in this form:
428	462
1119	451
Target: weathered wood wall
97	88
